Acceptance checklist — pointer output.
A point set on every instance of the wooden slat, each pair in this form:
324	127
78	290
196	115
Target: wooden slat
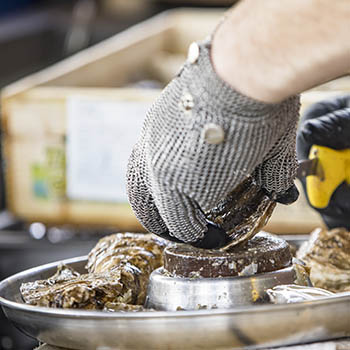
108	63
41	111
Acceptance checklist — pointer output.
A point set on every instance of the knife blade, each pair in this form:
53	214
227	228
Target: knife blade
309	167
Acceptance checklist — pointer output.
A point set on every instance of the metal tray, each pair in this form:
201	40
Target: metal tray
250	326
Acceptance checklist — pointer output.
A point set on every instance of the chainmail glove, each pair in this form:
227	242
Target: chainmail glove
200	139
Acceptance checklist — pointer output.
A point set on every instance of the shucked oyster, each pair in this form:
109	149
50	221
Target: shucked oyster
244	212
118	271
327	253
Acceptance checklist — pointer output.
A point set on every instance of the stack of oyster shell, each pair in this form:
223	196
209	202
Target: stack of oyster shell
327	254
119	267
118	272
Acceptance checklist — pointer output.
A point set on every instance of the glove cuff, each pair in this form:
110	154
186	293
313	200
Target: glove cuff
201	73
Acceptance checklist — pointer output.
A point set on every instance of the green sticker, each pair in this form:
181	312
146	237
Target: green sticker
49	177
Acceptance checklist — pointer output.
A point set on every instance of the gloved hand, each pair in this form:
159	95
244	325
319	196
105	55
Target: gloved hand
327	123
200	139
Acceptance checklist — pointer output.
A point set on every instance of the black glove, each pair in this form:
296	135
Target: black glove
327	123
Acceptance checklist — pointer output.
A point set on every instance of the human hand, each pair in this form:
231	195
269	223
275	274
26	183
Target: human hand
201	139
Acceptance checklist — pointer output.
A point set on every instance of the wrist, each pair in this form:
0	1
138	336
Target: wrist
270	50
243	56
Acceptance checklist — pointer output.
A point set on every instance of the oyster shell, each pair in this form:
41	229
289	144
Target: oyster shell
142	250
327	254
292	293
118	271
243	213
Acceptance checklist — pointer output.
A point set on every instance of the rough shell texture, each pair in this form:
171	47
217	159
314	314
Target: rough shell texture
142	250
244	212
118	271
263	253
327	253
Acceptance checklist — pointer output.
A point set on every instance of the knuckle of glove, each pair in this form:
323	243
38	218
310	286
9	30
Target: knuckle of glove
276	174
287	197
330	130
326	123
140	196
326	106
181	214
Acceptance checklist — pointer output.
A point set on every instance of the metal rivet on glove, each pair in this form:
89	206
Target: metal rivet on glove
213	133
193	53
187	102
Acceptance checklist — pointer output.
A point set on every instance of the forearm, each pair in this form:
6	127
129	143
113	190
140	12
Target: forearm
272	49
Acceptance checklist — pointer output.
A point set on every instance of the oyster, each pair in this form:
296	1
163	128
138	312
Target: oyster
243	213
327	254
142	250
292	293
118	271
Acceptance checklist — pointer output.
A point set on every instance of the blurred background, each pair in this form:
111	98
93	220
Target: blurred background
76	79
44	215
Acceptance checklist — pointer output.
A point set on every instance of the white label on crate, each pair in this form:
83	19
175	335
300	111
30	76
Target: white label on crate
100	137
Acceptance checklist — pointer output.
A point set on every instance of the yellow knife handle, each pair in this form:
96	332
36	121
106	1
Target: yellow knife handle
333	170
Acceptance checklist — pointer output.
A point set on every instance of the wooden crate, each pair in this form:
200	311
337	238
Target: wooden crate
35	116
35	154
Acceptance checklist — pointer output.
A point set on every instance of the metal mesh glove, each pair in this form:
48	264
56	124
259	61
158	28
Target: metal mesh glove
200	139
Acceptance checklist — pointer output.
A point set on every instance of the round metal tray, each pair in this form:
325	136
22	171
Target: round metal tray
247	326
